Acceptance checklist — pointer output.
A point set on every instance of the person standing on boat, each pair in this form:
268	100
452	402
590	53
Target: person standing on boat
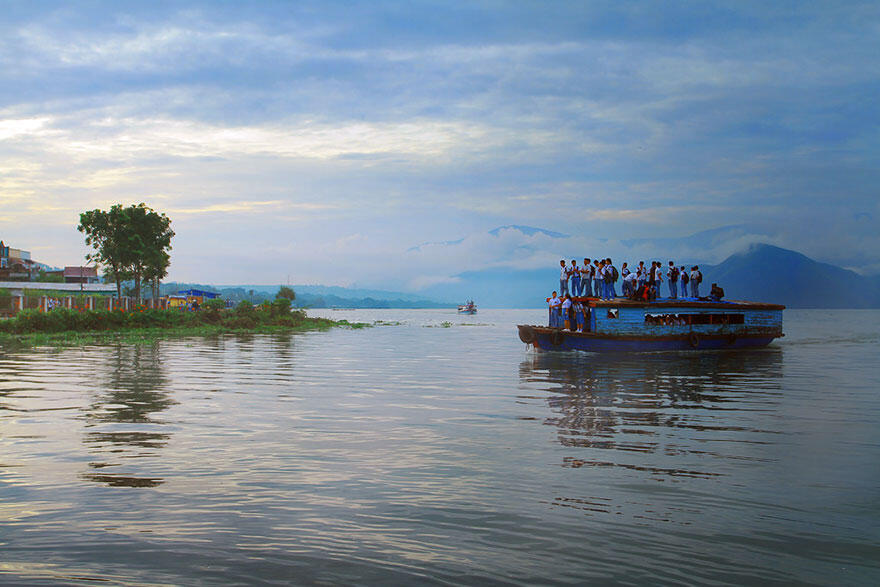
575	273
696	278
684	281
672	276
624	273
563	278
641	274
566	312
611	271
578	309
598	281
587	278
659	279
553	303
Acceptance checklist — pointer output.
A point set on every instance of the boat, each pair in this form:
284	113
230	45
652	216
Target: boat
624	325
469	308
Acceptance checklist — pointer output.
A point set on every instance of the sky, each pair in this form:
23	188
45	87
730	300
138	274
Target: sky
324	142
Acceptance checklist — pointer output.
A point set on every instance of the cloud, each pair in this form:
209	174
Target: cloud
290	128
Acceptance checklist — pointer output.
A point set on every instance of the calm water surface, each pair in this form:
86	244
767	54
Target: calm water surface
439	449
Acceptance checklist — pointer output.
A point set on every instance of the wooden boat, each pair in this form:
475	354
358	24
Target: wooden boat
664	325
468	308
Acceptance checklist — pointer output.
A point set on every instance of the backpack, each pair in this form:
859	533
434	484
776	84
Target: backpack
699	277
614	274
685	278
674	274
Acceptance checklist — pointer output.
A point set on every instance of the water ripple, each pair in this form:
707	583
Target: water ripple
440	455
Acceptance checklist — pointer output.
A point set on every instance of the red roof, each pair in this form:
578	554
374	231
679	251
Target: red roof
80	272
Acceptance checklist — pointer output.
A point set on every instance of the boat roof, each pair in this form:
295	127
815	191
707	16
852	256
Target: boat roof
691	304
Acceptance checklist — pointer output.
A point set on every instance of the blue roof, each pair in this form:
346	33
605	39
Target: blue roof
199	293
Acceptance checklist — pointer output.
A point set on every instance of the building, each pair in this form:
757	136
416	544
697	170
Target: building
14	263
189	297
81	275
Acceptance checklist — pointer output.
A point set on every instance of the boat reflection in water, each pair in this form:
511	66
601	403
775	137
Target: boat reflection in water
670	414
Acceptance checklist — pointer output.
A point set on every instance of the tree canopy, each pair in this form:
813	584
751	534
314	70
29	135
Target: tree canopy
286	292
130	243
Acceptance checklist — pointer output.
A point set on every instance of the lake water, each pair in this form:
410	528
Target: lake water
438	449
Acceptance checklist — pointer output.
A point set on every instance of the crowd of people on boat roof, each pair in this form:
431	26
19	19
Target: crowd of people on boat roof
598	279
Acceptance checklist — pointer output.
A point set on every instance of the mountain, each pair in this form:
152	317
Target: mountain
772	274
525	230
706	239
528	231
760	273
315	296
499	288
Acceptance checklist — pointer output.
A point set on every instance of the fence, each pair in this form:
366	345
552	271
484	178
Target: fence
11	305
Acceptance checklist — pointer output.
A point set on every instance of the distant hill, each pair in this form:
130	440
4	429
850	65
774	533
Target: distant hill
761	272
772	274
315	296
526	230
500	288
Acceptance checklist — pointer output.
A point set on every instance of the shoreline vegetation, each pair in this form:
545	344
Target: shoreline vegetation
68	327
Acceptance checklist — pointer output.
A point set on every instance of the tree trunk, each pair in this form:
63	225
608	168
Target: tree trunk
137	287
118	282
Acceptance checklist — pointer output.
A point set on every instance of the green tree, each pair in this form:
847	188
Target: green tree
131	243
105	232
286	293
149	239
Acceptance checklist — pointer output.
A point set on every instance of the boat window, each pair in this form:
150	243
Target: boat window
688	319
612	313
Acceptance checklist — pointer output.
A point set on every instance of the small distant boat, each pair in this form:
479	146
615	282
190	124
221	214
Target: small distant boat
664	325
469	308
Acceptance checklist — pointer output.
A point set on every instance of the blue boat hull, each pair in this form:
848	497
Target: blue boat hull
553	339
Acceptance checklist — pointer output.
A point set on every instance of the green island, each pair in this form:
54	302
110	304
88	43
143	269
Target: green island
132	245
73	326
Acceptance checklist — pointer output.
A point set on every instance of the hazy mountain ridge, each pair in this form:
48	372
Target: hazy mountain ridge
314	296
773	274
761	272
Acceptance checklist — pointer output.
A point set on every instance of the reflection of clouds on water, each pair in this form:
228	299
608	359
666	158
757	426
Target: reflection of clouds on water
121	422
680	412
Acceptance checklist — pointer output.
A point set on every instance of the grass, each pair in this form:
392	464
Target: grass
62	327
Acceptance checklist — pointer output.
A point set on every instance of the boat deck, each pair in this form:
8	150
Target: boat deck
681	303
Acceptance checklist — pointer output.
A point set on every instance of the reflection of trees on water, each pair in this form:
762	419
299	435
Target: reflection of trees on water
121	422
625	402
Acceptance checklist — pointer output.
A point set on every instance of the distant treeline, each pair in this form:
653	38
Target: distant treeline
303	300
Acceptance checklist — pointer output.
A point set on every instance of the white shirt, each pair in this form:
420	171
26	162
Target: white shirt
564	274
566	305
669	274
554	302
630	277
